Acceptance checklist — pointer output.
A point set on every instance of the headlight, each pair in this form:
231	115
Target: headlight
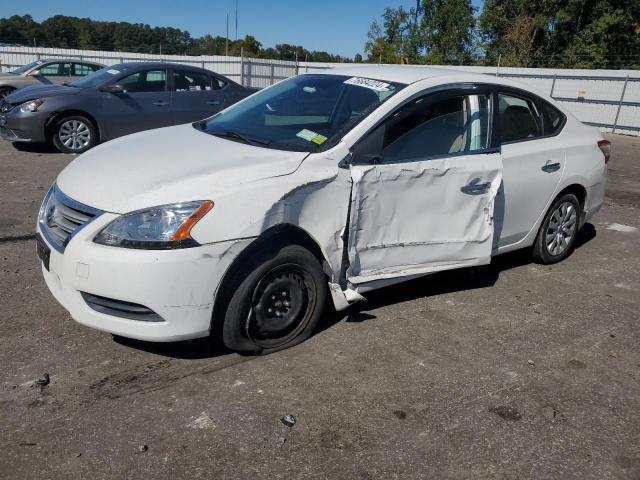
164	227
31	105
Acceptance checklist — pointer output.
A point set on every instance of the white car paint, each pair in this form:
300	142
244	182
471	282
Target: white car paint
404	221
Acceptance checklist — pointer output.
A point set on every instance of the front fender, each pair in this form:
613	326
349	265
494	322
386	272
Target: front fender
315	198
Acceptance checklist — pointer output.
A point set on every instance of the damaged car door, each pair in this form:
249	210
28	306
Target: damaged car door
424	185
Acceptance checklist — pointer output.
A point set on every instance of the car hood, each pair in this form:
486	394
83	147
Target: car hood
168	165
41	91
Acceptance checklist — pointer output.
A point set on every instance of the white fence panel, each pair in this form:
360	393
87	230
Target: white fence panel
593	96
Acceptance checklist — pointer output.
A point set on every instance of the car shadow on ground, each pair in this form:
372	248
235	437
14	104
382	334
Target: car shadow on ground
36	148
436	284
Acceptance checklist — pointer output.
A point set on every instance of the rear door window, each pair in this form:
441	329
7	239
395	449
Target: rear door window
519	118
145	81
192	81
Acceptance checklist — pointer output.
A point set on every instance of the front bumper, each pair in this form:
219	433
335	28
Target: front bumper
16	126
178	285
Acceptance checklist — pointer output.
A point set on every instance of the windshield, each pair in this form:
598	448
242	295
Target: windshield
307	113
100	77
27	67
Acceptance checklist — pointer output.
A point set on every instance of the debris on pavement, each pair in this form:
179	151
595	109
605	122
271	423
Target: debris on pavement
43	381
531	362
506	412
288	420
143	448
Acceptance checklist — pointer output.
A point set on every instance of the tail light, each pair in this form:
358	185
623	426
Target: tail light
605	148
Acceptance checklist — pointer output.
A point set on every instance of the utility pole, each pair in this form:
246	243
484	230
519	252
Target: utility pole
236	19
226	39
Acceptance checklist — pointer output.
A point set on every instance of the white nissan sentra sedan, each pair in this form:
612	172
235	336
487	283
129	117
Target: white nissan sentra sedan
322	187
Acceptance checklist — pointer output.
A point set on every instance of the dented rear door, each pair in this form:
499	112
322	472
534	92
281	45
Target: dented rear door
412	215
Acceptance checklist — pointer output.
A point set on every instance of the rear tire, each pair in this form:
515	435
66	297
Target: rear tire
74	134
275	300
557	235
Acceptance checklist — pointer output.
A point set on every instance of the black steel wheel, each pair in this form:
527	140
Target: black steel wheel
275	301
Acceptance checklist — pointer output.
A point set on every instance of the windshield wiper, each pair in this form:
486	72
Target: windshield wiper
239	136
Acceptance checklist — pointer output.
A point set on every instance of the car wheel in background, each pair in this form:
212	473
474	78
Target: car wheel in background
6	91
74	134
276	300
557	235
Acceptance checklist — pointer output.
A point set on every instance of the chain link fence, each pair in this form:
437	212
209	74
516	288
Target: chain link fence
607	99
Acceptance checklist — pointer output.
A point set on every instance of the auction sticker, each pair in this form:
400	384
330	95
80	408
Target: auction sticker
376	85
113	71
311	136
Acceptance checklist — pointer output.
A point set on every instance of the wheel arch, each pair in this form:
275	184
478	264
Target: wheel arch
49	123
275	236
581	194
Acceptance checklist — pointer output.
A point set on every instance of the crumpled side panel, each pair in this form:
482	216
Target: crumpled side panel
411	218
319	207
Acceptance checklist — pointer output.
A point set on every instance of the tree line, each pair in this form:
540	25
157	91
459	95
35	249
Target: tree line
83	33
519	33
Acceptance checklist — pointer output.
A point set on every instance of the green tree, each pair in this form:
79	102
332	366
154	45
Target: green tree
562	33
84	33
446	31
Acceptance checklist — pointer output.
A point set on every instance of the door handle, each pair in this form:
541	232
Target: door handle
161	103
476	188
551	167
213	102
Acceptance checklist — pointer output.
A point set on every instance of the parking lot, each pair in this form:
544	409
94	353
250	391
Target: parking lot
512	370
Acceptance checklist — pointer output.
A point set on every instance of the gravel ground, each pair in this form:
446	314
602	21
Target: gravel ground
513	370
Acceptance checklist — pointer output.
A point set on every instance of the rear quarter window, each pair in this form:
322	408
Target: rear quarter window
552	118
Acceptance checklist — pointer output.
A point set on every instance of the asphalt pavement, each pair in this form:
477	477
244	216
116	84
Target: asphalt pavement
510	371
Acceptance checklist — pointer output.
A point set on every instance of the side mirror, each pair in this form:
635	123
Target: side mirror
113	89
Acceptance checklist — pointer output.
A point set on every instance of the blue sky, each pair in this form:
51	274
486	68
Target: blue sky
337	26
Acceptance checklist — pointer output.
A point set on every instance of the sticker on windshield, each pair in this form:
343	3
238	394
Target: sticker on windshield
113	71
311	136
368	83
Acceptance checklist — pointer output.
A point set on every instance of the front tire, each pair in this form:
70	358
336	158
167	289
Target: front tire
276	300
557	235
74	134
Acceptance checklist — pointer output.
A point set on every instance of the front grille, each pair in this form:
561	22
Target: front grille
6	107
120	308
62	217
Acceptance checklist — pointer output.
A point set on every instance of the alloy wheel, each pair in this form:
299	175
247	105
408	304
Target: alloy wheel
561	229
74	134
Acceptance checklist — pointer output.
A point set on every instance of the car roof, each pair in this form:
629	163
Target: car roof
408	74
71	60
159	65
392	73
